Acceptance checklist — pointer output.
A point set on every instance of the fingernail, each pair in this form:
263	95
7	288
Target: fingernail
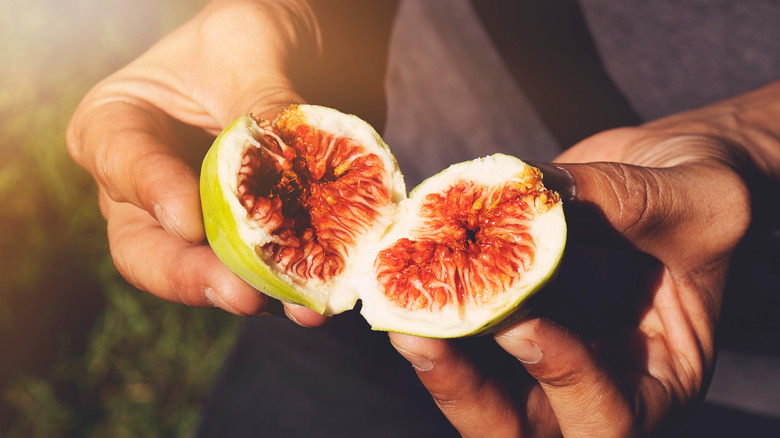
217	301
166	222
420	363
526	351
291	316
557	178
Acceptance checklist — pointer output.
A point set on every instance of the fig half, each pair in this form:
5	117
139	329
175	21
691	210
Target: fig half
312	209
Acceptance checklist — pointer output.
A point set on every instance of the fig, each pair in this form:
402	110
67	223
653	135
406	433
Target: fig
311	208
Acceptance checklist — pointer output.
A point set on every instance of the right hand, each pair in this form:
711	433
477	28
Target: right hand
134	133
673	194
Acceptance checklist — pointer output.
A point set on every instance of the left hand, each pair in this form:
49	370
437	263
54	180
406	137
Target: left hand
143	131
674	196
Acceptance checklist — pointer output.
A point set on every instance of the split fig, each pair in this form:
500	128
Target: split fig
311	208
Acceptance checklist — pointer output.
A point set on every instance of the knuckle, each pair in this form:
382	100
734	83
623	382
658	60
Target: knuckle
127	174
639	200
445	400
733	195
634	202
561	377
177	285
73	141
452	403
105	171
123	260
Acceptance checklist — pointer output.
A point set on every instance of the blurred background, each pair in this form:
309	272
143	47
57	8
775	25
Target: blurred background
84	354
81	352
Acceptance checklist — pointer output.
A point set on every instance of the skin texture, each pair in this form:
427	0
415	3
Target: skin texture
674	189
141	130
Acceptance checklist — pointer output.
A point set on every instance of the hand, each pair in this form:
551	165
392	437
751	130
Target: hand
671	190
143	130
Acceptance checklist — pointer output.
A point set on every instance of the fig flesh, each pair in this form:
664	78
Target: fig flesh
291	205
312	209
468	246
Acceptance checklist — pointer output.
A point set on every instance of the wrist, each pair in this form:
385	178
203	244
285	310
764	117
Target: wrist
746	125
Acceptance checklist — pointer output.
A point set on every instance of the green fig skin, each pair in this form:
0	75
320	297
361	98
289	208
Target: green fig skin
519	310
224	236
221	233
508	313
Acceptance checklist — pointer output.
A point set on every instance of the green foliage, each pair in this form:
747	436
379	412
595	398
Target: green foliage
84	353
146	371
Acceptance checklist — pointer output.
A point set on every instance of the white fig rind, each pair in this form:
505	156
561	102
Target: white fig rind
235	238
548	230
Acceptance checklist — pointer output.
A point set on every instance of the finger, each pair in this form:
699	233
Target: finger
664	382
475	404
128	149
627	198
584	394
304	316
254	65
267	103
657	210
172	269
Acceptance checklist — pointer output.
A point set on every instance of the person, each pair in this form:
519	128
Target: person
674	193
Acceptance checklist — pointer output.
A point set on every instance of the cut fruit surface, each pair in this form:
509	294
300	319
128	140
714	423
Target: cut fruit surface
289	205
311	209
468	246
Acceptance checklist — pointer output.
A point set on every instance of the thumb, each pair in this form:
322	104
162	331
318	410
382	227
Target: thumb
267	103
655	210
633	202
584	394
